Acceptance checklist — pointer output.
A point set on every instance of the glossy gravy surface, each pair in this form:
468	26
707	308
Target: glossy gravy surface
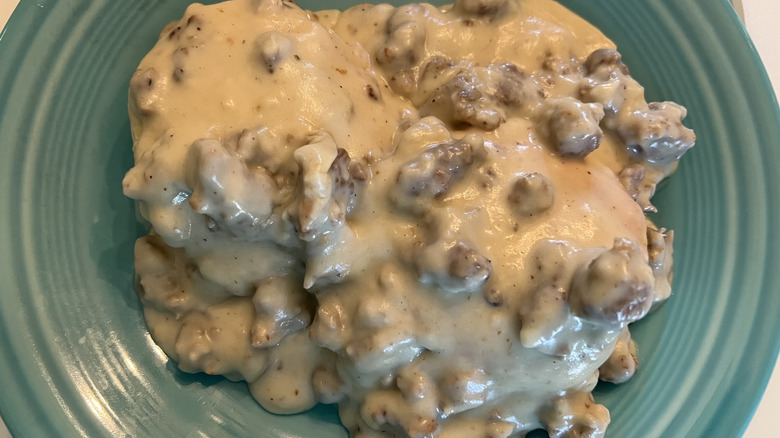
433	217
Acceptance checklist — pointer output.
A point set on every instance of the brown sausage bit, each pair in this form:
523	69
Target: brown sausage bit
531	194
614	288
561	67
608	59
543	314
161	282
641	188
282	308
180	59
482	96
463	389
431	174
178	74
386	410
324	210
146	86
195	21
435	67
414	383
493	296
467	265
481	8
185	30
651	132
272	48
515	88
238	199
404	47
349	177
372	92
657	134
575	415
660	245
453	267
571	127
623	362
175	31
327	384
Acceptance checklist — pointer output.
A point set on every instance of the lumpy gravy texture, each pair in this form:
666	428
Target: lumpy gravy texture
433	217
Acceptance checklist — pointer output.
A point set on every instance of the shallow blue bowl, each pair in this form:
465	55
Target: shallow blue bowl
76	357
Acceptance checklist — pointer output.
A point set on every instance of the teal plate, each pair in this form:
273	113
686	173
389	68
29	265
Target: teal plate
76	357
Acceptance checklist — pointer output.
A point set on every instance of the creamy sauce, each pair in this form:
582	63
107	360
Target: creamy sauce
433	217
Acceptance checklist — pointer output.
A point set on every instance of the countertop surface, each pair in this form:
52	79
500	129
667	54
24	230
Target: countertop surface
760	19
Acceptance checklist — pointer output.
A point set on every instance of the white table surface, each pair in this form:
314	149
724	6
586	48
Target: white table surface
760	17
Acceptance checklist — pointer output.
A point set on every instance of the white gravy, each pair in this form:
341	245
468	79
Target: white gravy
433	217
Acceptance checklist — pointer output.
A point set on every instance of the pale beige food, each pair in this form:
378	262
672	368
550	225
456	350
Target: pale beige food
430	216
